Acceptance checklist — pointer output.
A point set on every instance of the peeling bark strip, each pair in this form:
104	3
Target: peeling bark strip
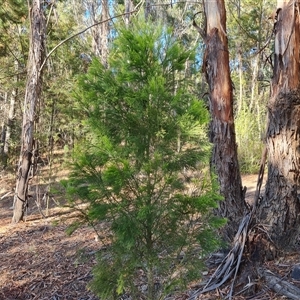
280	208
32	96
224	159
286	58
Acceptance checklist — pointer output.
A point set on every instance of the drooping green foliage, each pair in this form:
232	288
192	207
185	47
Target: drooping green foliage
143	165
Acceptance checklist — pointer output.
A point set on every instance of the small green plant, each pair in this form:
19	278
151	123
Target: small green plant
143	166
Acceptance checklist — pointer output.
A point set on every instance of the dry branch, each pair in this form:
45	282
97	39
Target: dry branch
231	263
279	285
6	195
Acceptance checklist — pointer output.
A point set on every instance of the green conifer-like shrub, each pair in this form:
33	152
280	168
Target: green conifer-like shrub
143	166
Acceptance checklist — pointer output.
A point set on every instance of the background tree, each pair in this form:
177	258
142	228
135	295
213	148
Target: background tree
99	11
13	51
58	129
157	195
32	97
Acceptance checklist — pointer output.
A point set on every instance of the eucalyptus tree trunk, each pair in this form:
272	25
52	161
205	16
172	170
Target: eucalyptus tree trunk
7	126
147	9
32	97
240	62
280	207
128	8
3	131
100	33
96	37
2	141
224	158
11	115
257	59
104	32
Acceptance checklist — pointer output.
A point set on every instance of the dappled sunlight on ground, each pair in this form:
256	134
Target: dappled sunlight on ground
40	261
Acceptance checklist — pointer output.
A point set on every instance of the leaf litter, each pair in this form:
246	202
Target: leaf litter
39	261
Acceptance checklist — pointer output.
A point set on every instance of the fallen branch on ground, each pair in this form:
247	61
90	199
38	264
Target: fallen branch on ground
6	194
279	285
231	263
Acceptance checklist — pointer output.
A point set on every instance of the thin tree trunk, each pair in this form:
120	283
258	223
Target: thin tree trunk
128	9
224	159
147	9
11	114
280	207
256	62
2	142
254	90
3	136
240	61
96	39
100	33
32	97
104	32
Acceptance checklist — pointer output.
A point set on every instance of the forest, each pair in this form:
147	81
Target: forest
127	132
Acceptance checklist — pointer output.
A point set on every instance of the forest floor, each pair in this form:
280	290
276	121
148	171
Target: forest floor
38	260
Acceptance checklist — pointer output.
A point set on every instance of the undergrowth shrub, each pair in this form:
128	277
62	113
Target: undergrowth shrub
249	136
143	166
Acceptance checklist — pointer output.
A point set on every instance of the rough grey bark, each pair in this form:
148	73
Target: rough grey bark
280	207
224	158
32	97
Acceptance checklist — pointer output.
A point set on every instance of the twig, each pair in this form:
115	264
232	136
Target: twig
5	195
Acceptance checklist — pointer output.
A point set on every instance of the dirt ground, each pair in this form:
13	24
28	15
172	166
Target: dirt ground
40	261
250	181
